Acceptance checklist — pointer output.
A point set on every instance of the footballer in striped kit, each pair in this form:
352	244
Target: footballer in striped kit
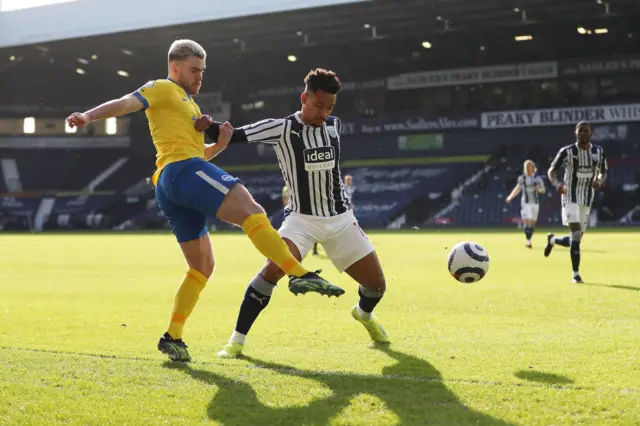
531	186
307	145
585	171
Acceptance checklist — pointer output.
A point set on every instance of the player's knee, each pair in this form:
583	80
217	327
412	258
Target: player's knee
254	208
378	286
206	267
238	205
576	236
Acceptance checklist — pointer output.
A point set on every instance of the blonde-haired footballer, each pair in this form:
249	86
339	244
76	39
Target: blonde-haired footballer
189	189
530	185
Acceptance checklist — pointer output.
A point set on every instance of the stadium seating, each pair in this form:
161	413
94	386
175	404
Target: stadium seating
483	203
62	170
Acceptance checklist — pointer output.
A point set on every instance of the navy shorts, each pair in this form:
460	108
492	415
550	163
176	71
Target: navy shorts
189	192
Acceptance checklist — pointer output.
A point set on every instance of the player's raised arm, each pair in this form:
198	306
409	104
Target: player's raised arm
114	108
268	131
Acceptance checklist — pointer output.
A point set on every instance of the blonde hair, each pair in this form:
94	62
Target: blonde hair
183	49
526	163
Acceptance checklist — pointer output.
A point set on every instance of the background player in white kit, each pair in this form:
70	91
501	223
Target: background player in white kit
307	145
585	171
530	185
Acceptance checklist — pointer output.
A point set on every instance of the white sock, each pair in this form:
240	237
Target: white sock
553	241
362	314
237	338
575	274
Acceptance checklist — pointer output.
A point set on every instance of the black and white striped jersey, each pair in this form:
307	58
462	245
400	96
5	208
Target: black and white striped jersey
529	186
309	158
581	167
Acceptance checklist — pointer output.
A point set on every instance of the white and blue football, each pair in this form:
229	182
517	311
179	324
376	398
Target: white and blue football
468	262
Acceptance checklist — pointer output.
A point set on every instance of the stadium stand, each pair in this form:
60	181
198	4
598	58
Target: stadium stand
411	99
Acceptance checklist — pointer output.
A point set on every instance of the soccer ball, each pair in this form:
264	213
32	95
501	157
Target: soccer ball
468	262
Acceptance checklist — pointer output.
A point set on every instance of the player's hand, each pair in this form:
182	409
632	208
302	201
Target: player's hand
508	200
562	188
596	184
78	119
203	123
226	131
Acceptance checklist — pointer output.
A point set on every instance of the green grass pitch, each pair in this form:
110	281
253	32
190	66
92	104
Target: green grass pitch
81	316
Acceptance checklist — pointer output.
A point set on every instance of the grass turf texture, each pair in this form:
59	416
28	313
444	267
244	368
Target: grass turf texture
82	314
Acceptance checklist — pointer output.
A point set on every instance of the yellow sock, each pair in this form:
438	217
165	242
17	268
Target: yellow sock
269	243
186	298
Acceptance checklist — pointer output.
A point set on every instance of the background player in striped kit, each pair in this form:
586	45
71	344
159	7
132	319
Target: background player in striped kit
585	171
307	145
530	185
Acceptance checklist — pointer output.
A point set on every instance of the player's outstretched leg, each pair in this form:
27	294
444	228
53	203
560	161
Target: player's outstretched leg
239	208
552	240
563	241
368	273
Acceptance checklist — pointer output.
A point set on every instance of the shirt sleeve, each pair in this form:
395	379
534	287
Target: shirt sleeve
520	181
540	182
267	131
151	94
561	157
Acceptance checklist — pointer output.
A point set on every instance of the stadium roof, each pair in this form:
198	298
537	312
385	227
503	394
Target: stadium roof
360	41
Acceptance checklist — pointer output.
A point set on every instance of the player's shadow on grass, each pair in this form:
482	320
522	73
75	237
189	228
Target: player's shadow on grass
619	287
540	377
411	388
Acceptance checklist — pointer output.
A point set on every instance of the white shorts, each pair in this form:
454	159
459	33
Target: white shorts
529	211
574	213
342	238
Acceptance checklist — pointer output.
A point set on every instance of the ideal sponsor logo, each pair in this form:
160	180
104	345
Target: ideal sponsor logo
317	159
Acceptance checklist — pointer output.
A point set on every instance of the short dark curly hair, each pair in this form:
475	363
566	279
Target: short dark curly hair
324	80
